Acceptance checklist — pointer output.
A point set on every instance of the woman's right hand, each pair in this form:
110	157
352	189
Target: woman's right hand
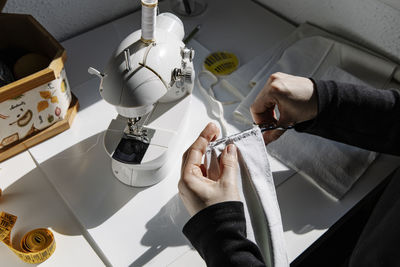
295	97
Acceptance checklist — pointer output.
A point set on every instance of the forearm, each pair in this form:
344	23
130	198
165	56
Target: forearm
357	115
219	235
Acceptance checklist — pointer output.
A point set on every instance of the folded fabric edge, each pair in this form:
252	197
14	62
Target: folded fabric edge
335	196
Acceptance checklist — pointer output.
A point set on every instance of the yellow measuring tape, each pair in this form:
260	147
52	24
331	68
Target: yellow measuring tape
36	246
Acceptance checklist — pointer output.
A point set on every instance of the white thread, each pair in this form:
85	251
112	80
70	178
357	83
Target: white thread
216	108
149	13
224	85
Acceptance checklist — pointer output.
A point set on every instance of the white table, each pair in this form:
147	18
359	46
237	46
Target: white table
28	194
99	220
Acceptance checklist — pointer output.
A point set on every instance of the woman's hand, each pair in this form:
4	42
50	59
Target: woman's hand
198	191
295	98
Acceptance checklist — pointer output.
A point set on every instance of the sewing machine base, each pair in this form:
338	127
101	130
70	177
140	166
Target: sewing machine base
133	176
166	127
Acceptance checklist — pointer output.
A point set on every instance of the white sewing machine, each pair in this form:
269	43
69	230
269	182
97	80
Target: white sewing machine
149	79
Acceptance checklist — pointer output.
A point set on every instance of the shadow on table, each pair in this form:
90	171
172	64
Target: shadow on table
83	177
303	212
36	205
33	200
164	230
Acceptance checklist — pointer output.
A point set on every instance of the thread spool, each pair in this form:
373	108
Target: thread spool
149	13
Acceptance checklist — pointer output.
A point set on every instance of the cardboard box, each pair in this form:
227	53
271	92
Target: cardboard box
38	105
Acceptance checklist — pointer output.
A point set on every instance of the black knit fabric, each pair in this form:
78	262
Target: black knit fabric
357	115
219	235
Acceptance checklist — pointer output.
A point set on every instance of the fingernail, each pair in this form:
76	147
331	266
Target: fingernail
231	149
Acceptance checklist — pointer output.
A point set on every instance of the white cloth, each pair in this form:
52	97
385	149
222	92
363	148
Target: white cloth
309	52
256	186
214	106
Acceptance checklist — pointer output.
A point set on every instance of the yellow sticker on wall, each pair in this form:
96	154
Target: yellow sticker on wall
36	246
221	63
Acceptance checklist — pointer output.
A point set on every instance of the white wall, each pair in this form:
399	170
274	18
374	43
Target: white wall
370	22
66	18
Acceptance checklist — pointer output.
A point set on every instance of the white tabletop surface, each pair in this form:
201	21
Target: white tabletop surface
29	195
99	221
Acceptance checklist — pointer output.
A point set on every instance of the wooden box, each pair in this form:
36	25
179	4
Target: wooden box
36	102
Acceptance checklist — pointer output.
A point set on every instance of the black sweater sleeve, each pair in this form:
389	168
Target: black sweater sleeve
218	233
357	115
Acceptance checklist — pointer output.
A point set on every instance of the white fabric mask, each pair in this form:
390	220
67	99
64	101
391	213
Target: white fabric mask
257	190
